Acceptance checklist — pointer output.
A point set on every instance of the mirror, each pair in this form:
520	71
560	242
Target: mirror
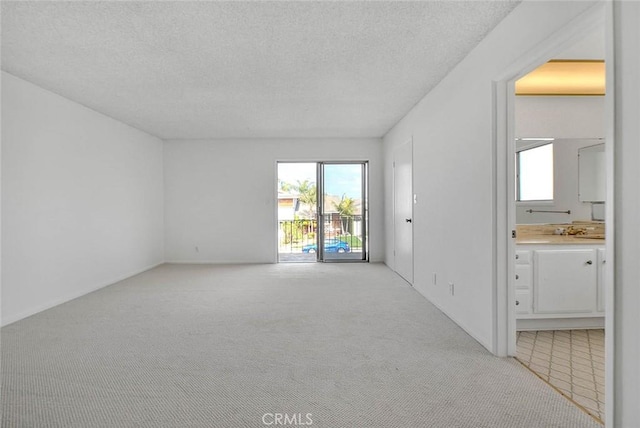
591	173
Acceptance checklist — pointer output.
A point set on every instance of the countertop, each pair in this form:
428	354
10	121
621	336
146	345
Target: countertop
592	233
559	240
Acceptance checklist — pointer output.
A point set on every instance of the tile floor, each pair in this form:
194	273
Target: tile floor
570	360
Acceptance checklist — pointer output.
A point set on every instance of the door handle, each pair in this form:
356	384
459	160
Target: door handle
589	262
408	220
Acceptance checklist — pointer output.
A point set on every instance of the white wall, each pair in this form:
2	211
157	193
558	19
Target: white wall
453	169
626	241
559	117
220	195
82	200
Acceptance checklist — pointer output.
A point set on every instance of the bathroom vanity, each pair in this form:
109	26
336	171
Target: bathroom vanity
559	280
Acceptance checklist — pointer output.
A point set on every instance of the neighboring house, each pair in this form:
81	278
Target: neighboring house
354	227
291	208
288	204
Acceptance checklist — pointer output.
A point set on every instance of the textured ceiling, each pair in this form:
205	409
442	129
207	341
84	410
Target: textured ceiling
244	69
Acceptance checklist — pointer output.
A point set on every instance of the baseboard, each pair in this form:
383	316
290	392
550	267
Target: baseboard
559	324
218	262
75	295
457	322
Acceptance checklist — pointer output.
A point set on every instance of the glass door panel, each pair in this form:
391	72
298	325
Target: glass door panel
297	212
343	234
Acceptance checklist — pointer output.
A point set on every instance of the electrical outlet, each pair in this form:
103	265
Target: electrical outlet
435	279
451	288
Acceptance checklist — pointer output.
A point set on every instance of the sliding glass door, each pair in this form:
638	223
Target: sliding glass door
322	211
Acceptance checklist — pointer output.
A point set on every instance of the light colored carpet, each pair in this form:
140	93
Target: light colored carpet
220	346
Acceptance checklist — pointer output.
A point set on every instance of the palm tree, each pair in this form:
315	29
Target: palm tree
307	194
284	186
346	208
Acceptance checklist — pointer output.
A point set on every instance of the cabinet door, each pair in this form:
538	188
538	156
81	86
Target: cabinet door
565	281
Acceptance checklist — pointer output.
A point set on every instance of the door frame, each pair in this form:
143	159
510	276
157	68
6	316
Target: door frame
504	212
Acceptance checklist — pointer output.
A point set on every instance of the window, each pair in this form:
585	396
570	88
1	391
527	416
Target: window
535	173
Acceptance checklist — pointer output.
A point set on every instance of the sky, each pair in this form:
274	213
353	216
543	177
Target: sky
339	179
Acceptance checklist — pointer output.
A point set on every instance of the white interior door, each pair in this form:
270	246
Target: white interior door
403	210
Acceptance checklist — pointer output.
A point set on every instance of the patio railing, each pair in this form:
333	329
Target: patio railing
295	234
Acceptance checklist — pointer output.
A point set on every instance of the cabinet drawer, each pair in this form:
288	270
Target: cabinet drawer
602	278
523	276
523	301
523	257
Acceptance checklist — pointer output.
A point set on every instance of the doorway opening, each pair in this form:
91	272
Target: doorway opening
555	170
322	211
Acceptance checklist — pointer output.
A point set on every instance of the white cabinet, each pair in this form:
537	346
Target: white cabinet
523	276
591	173
559	286
523	301
602	264
523	257
566	281
523	282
